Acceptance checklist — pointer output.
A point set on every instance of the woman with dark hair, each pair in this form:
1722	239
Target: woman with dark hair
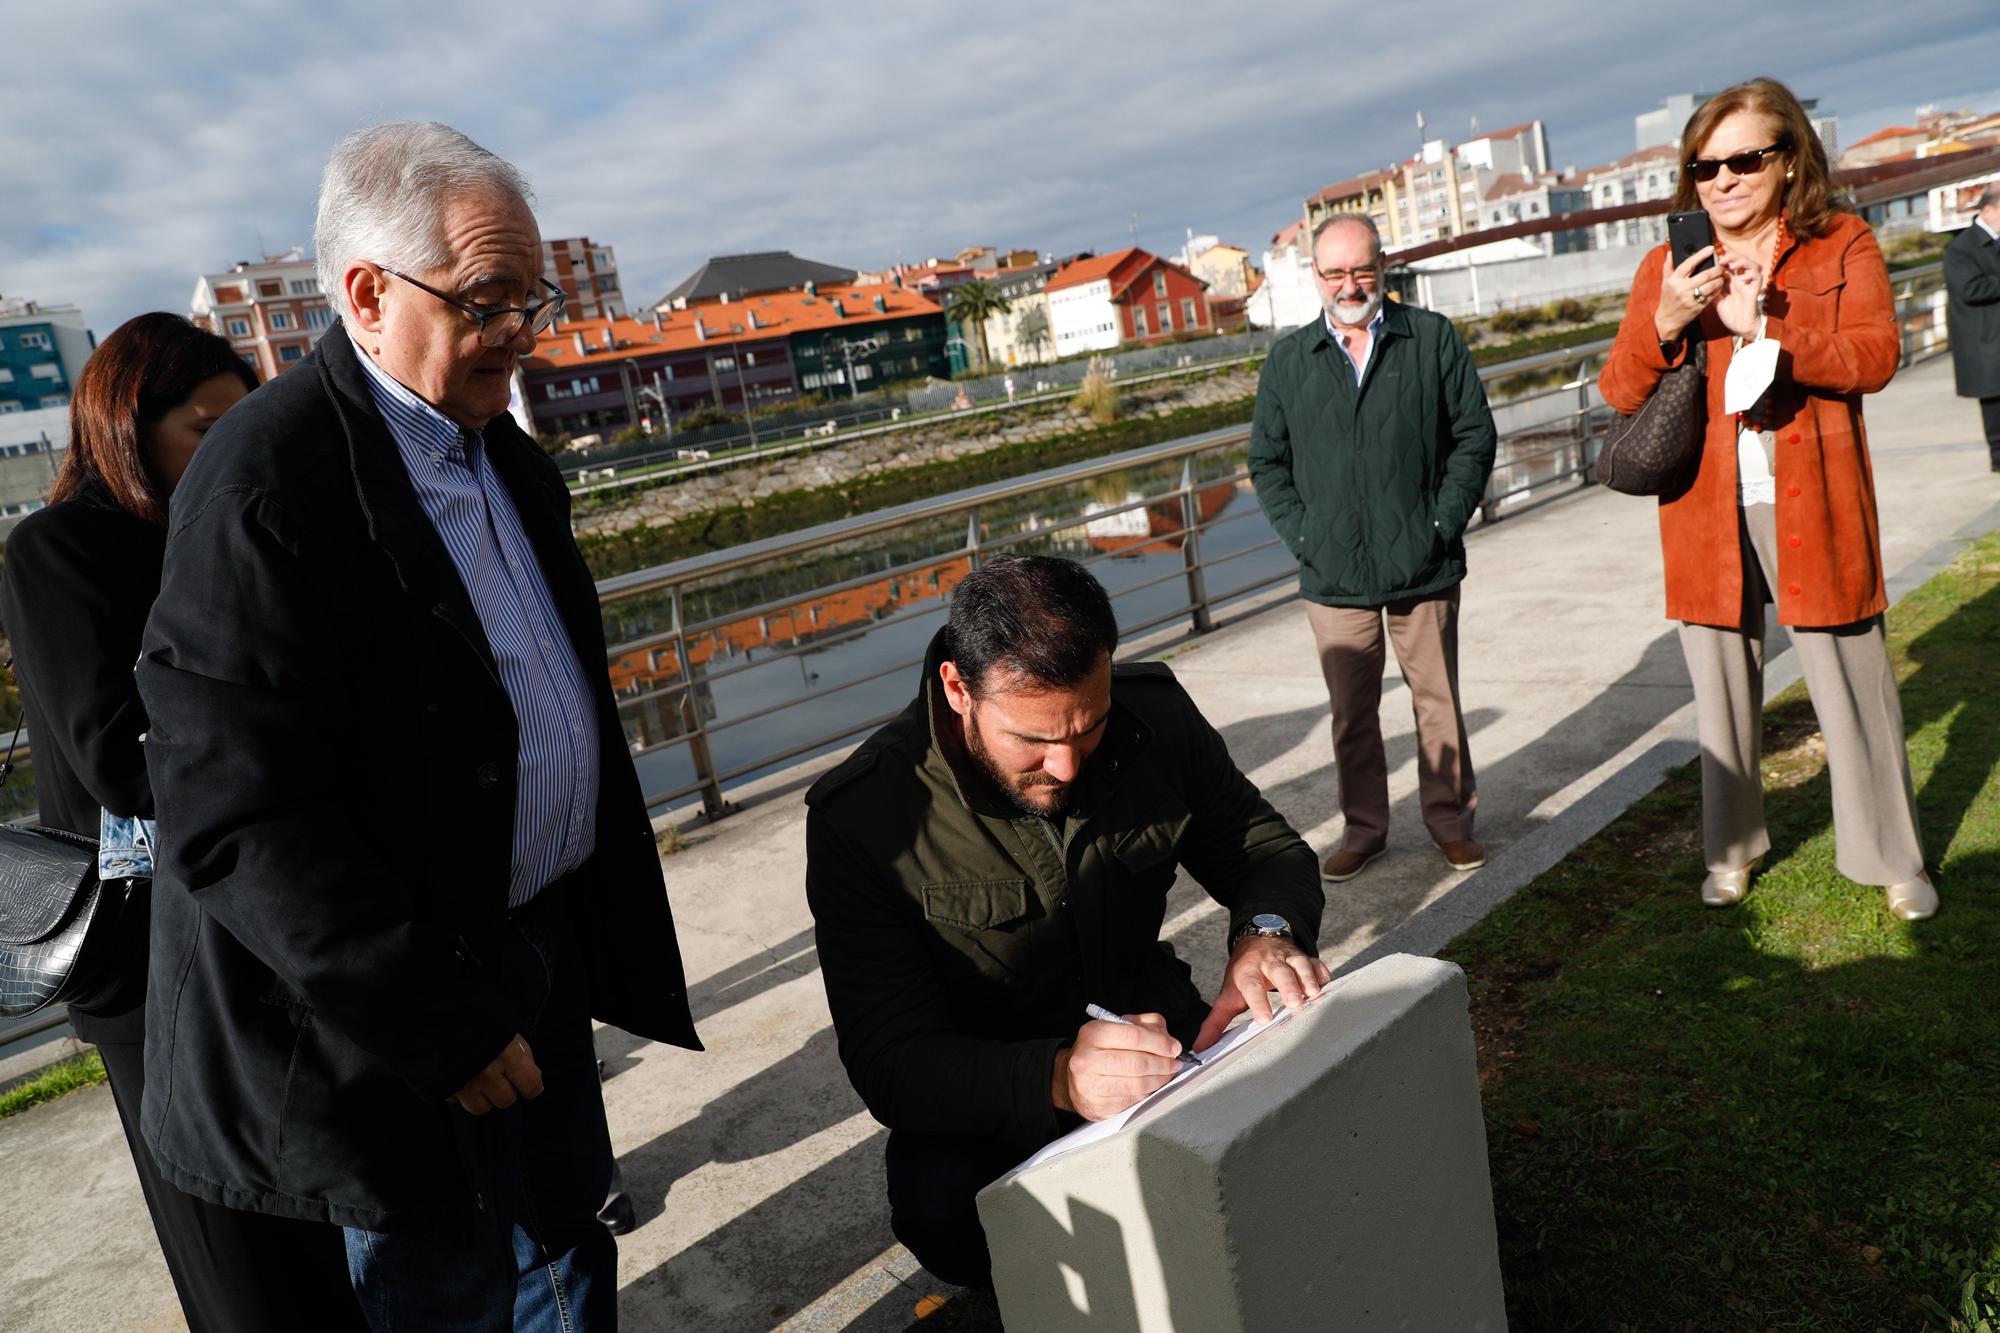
1798	321
78	579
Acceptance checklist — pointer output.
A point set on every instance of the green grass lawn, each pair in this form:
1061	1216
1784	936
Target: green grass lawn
1784	1115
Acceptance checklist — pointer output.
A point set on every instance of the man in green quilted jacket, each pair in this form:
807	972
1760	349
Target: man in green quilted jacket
1370	450
998	857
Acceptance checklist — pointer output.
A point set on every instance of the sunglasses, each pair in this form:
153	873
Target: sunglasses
1739	164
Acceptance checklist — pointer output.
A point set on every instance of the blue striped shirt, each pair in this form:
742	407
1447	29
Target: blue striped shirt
555	795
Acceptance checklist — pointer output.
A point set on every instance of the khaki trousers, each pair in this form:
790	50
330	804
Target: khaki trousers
1425	633
1853	691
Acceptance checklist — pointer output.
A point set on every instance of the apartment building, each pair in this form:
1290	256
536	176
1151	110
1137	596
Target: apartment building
42	349
1126	299
271	311
1439	192
588	275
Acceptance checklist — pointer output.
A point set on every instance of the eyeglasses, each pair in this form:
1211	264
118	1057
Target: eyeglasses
1367	276
499	325
1739	164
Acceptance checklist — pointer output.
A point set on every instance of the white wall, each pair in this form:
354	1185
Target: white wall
1522	282
1287	299
1082	318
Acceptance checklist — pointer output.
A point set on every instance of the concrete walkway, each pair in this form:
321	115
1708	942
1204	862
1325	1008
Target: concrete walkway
757	1173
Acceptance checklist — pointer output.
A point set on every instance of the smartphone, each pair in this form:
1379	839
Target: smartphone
1688	232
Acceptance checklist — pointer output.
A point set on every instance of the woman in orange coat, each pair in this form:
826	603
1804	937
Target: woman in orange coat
1782	510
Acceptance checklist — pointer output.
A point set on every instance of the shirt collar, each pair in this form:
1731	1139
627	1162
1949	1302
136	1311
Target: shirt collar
1980	223
416	425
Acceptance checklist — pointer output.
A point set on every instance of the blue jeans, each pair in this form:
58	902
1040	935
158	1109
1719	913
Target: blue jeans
534	1256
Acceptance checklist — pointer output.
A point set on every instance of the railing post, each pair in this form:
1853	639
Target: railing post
972	537
712	804
1197	579
1586	466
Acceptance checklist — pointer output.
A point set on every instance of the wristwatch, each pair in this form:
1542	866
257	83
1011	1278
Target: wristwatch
1264	923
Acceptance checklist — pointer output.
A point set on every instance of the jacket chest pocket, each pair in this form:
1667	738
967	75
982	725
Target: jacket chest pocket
984	925
1813	299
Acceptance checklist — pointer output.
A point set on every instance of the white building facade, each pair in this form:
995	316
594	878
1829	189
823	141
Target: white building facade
1083	319
272	312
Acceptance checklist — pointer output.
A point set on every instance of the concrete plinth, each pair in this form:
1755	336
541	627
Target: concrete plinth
1329	1175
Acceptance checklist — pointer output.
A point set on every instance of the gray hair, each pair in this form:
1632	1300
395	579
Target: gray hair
383	195
1361	220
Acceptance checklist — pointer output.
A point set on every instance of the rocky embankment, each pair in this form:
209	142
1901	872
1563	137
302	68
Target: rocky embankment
893	450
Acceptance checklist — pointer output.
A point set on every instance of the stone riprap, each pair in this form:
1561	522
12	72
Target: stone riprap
1330	1174
894	449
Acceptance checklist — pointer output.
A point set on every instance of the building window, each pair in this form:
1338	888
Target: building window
47	370
270	287
304	286
1138	323
1166	318
40	340
1159	284
9	405
1188	318
291	352
725	363
6	375
239	328
282	319
56	400
320	318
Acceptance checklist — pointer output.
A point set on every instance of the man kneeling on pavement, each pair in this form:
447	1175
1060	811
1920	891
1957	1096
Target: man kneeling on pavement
999	856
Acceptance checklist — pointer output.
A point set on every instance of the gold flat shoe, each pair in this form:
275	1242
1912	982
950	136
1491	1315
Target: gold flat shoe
1914	901
1726	888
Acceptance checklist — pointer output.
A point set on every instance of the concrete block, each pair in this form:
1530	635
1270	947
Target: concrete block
1331	1174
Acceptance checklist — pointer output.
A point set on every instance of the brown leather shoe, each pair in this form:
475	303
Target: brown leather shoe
1346	863
1467	855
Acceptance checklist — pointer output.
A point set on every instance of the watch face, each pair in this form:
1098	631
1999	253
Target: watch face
1270	921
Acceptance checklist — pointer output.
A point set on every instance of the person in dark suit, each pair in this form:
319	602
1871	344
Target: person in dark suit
1972	314
78	579
405	855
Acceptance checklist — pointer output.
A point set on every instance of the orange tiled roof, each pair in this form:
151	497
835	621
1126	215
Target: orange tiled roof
778	315
1893	132
1510	131
1289	235
1090	270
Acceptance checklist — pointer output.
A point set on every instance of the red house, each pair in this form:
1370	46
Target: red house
1126	299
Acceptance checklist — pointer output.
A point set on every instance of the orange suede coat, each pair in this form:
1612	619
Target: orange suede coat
1834	318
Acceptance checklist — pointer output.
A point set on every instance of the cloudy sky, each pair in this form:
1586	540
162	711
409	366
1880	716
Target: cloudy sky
144	144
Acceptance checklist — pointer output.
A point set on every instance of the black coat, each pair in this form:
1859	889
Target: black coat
74	590
333	762
1972	278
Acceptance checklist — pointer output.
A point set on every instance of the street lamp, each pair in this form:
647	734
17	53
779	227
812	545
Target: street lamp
848	347
658	394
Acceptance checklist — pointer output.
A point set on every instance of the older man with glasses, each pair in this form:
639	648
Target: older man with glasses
404	857
1370	448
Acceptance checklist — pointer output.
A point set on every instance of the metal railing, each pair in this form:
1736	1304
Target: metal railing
1558	431
1559	446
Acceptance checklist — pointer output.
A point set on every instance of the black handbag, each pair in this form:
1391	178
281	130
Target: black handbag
1657	450
65	936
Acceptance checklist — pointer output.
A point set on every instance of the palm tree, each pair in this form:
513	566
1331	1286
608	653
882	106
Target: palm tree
973	303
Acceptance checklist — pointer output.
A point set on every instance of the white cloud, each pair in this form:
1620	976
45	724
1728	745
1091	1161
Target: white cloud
160	143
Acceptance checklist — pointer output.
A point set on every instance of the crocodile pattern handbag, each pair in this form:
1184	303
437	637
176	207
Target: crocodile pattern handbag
1657	450
65	937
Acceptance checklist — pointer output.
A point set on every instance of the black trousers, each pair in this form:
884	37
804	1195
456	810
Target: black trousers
1989	415
235	1272
933	1181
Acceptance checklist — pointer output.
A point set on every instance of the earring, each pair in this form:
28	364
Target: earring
1788	173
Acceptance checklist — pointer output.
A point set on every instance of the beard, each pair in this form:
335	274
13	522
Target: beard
1022	790
1356	314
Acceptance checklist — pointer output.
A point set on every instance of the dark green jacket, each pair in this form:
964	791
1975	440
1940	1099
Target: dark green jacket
1972	310
960	939
1371	486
